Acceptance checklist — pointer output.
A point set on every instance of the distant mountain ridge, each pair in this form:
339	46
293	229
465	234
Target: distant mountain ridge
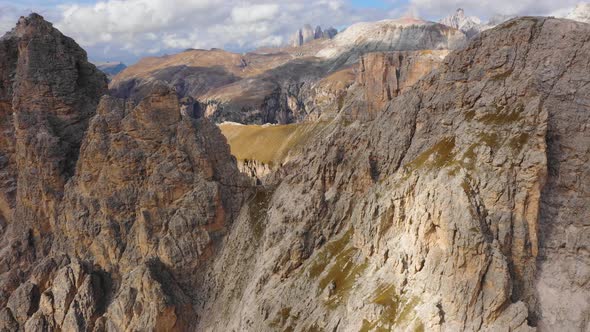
111	68
470	25
307	34
279	85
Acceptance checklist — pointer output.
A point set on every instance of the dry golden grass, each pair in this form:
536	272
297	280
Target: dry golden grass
269	144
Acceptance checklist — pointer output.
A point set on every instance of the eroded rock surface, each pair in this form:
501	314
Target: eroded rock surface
459	204
279	86
453	210
107	209
44	117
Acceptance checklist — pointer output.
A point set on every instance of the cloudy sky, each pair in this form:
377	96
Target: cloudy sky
125	30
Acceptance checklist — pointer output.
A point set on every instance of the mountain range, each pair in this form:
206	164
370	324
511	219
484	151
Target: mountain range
400	175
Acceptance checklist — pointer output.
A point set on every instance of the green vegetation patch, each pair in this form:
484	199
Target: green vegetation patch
344	274
330	250
490	139
502	115
258	210
438	156
502	75
469	115
518	142
315	328
269	144
282	318
336	264
398	311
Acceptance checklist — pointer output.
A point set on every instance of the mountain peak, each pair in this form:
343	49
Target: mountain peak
580	13
33	19
307	34
470	25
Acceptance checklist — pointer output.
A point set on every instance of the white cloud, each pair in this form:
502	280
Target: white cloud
151	26
488	8
127	29
254	13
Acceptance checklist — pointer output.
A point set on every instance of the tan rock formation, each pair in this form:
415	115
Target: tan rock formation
123	208
461	206
450	211
44	117
383	76
278	85
149	183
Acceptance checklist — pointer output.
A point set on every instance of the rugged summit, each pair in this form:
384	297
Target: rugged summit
44	119
455	209
470	25
307	34
83	185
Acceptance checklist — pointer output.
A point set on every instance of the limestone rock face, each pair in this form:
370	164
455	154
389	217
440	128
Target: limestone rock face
43	120
383	76
106	210
470	25
307	34
406	34
150	183
453	210
361	91
51	114
581	13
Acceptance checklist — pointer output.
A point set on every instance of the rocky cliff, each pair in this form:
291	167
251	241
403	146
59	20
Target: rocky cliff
382	77
460	204
84	184
307	34
278	86
44	117
470	25
457	208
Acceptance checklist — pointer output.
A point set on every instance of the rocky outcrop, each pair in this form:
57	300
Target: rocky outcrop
152	192
44	117
106	210
307	34
360	92
470	25
150	183
406	34
383	76
450	211
255	169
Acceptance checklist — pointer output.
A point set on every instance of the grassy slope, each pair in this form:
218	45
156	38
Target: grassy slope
268	144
